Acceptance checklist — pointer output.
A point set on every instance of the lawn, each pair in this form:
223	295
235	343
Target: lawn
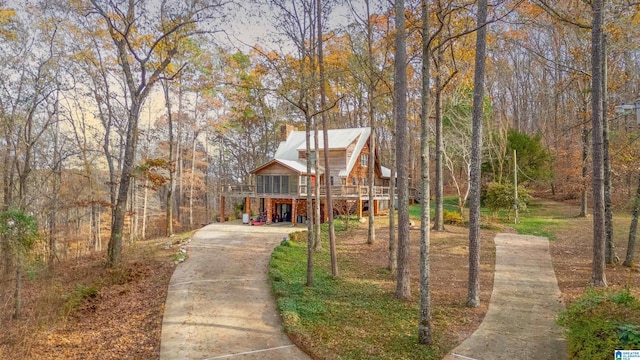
357	316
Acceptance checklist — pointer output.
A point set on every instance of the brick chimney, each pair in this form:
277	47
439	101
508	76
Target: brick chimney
285	130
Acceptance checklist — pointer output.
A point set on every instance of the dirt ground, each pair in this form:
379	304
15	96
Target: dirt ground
572	253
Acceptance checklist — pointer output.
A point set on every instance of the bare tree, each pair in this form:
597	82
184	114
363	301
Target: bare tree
144	56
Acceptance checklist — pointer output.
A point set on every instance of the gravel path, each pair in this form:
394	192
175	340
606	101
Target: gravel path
219	304
520	322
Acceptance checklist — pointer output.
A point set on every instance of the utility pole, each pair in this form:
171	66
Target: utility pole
515	187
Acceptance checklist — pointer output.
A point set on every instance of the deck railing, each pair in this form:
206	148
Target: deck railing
339	191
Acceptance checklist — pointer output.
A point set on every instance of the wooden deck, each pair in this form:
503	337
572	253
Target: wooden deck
337	192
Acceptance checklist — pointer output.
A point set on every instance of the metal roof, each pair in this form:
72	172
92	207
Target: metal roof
287	153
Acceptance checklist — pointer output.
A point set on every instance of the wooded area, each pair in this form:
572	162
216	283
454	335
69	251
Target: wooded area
121	120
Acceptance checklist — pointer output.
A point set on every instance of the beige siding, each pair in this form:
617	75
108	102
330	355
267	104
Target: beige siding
276	169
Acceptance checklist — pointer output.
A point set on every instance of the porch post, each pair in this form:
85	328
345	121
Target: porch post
326	211
294	211
247	205
222	206
359	207
375	207
269	206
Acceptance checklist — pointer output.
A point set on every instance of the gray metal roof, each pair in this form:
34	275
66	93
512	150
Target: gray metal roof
287	153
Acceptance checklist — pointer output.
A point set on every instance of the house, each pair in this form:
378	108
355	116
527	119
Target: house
282	183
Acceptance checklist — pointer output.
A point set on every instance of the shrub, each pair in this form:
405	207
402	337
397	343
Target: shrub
498	196
452	217
298	236
600	322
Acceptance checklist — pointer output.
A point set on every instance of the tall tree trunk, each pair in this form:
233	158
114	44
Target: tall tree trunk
598	266
172	166
327	167
178	189
310	239
17	294
95	226
424	327
439	210
403	284
585	169
317	243
57	181
371	235
610	251
143	235
473	296
633	229
393	244
192	178
114	250
7	179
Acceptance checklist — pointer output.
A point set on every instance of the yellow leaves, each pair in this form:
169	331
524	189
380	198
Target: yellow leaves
6	18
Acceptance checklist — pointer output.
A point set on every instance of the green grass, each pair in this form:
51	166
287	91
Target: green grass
539	221
335	316
533	221
450	203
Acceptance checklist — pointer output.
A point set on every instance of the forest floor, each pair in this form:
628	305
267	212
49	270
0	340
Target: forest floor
80	310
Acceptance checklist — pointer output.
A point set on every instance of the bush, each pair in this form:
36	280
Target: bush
298	236
452	217
600	322
498	196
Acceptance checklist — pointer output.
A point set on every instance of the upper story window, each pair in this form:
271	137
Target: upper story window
275	184
364	160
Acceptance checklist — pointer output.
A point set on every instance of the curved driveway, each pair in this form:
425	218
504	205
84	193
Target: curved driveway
219	304
525	301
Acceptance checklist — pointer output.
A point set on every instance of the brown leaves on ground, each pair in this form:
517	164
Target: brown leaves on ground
572	252
81	310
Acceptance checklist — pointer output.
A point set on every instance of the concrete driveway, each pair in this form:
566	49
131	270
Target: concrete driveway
219	304
525	301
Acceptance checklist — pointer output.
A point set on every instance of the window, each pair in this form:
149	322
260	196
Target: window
276	184
285	184
267	184
332	181
364	160
364	181
260	184
354	182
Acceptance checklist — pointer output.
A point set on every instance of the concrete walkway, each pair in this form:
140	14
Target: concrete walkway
520	322
219	304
